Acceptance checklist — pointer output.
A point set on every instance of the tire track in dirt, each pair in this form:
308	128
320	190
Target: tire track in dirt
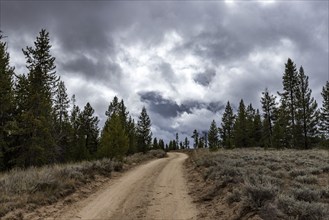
156	190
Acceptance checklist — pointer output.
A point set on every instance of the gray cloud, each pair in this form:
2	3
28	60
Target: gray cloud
182	59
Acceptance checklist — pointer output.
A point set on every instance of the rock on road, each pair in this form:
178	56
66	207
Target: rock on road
155	190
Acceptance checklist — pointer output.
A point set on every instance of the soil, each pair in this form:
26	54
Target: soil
155	190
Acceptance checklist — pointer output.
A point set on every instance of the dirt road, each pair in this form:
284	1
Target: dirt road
156	190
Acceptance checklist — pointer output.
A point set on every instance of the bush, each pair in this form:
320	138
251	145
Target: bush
302	210
306	194
235	196
309	179
258	195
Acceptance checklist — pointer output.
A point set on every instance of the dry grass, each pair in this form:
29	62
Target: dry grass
35	187
259	184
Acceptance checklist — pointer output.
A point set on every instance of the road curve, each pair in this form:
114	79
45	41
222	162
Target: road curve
155	190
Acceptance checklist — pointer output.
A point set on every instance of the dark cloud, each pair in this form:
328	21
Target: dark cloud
183	59
169	108
205	78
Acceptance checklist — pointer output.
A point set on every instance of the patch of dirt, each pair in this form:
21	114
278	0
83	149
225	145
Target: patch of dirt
154	190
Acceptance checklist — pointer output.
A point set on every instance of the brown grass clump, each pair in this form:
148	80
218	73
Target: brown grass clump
33	187
261	184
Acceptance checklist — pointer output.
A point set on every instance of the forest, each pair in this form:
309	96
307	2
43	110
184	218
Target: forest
40	124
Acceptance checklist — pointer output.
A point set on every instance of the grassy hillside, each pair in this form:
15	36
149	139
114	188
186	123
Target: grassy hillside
33	187
259	184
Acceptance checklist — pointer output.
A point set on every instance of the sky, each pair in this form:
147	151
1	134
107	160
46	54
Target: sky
182	60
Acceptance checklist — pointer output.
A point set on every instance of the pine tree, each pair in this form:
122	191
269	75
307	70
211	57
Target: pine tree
161	144
39	145
281	128
324	125
250	130
307	113
114	141
289	96
7	105
186	143
195	137
74	152
88	129
155	143
257	129
131	133
226	130
144	134
177	141
240	127
269	108
213	136
62	126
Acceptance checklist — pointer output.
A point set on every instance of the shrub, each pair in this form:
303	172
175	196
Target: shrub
295	173
235	196
306	194
258	195
302	210
309	179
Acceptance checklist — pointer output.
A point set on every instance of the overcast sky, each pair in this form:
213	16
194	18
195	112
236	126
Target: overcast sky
183	60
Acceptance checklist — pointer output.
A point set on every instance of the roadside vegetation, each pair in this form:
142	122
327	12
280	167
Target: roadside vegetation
258	183
34	187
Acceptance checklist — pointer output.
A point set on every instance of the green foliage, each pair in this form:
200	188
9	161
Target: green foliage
307	113
114	141
269	109
240	127
144	134
195	137
213	136
227	127
324	125
7	105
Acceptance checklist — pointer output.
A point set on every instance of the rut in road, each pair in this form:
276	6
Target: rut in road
156	190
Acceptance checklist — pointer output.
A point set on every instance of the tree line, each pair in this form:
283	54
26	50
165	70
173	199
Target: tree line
40	125
291	120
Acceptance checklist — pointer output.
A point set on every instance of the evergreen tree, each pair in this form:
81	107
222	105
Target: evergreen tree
240	127
281	129
257	129
39	144
289	96
250	128
186	143
177	141
88	131
307	113
62	126
114	141
324	125
226	130
144	134
201	142
75	152
213	136
7	105
131	133
269	108
155	143
161	144
195	137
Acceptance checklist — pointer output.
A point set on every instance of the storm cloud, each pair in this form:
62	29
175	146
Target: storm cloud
182	60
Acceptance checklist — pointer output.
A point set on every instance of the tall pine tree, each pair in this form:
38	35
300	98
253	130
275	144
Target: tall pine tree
269	108
39	145
144	134
227	127
307	113
240	127
7	105
324	125
213	136
289	97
